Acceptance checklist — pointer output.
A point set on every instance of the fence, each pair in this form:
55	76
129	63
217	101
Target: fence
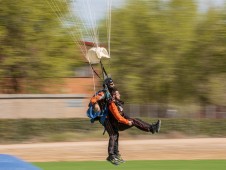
16	106
163	111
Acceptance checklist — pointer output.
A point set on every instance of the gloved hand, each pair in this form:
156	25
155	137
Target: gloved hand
96	107
130	123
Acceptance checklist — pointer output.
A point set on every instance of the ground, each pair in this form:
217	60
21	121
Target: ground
156	149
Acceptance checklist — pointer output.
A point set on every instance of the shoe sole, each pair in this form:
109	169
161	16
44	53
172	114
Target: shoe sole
116	164
121	161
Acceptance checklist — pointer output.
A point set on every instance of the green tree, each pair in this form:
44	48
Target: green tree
34	45
168	51
206	60
149	39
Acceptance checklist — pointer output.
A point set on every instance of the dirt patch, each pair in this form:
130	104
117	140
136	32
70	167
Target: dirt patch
156	149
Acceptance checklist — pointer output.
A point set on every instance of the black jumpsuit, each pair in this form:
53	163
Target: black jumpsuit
113	127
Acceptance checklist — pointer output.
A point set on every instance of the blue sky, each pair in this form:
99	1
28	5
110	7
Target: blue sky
204	4
98	8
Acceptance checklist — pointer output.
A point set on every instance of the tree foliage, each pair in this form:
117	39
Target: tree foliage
34	45
168	51
162	51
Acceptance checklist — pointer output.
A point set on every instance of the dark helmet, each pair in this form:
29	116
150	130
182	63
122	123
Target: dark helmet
108	81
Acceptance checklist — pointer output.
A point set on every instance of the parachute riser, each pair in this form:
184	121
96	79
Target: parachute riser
104	73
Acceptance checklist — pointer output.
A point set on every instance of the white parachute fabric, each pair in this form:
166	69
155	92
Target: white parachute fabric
95	54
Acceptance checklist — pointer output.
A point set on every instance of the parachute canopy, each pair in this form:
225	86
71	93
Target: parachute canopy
94	54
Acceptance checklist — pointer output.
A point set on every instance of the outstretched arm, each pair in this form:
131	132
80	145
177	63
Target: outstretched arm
114	110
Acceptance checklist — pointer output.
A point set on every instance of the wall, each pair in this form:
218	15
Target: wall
14	106
69	100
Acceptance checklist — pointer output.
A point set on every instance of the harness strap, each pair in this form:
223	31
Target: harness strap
104	130
105	75
95	71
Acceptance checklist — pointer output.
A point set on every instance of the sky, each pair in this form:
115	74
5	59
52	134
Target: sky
204	4
98	8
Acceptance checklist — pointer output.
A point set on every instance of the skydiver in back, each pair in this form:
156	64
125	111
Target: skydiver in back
113	126
115	119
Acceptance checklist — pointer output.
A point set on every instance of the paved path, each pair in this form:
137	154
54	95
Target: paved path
156	149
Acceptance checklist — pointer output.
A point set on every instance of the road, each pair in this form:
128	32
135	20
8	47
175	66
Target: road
156	149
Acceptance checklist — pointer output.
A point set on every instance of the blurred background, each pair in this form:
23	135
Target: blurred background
168	59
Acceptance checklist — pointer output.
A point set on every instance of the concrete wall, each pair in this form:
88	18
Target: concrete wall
14	106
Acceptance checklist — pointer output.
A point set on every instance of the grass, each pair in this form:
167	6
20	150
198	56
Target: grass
136	165
78	129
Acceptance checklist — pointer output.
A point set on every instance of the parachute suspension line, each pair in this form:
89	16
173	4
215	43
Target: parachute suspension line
105	75
95	35
95	30
90	31
86	28
55	8
84	50
59	14
95	71
94	84
82	24
93	24
109	27
75	22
